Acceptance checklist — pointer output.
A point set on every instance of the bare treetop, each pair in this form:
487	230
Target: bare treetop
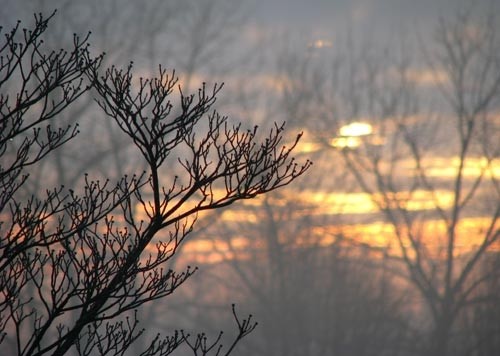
75	265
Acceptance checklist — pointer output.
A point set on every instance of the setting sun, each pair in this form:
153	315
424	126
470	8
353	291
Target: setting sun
355	129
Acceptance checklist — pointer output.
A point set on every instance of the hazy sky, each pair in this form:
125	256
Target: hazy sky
326	12
326	18
365	17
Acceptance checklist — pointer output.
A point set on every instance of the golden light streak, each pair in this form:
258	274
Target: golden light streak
239	216
474	167
340	203
307	147
416	200
363	203
378	235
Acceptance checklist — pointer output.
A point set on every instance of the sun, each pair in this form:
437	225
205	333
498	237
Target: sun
355	129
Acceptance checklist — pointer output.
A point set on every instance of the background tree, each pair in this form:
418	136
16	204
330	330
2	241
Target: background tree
398	172
91	259
430	163
313	290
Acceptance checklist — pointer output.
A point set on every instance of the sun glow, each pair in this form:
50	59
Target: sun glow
356	129
346	142
351	135
320	43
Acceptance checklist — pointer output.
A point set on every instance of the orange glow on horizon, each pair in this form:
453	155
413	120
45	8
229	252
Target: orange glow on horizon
379	235
357	212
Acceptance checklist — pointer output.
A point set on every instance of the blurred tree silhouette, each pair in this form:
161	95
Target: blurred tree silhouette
396	165
314	291
76	265
430	163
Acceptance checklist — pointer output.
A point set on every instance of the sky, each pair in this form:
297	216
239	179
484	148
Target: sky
366	19
324	15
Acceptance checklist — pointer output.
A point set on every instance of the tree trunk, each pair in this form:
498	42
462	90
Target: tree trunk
439	339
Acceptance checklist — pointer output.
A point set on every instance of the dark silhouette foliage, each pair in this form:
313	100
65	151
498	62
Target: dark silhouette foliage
76	264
